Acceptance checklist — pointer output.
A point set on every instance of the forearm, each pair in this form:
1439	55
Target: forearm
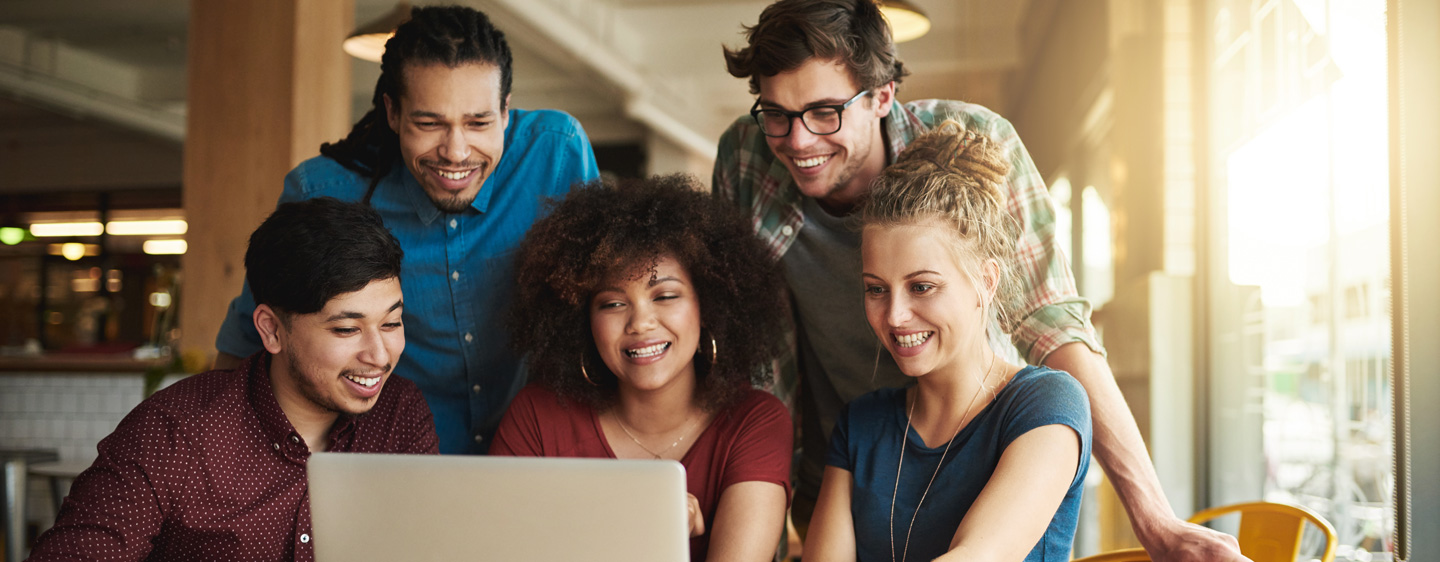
1117	442
748	522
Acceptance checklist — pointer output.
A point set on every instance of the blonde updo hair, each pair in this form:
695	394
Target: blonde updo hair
954	178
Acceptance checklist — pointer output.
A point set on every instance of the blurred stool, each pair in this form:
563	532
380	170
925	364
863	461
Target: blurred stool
17	463
57	474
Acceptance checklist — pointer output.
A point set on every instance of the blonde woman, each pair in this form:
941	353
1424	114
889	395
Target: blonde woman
979	459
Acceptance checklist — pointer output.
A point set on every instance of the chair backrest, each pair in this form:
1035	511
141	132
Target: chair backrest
1270	532
1126	555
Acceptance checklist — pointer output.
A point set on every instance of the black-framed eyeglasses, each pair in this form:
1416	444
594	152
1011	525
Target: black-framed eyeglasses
819	119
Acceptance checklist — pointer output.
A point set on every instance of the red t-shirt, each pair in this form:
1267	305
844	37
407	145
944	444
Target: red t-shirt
747	442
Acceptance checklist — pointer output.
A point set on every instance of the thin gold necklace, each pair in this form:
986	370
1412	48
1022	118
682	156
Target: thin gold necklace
904	440
661	454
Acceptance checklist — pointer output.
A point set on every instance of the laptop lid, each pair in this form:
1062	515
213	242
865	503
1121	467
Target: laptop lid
418	507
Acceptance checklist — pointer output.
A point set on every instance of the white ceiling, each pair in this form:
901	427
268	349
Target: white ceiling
627	68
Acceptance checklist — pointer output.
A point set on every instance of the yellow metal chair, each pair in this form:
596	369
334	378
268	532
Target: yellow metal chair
1126	555
1270	532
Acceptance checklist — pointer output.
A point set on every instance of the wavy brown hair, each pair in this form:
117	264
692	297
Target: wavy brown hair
622	229
791	32
955	177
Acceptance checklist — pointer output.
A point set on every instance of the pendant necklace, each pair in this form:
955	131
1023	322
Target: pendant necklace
661	454
904	440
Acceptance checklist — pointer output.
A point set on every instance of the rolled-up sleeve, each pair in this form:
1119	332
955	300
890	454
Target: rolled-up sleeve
1052	313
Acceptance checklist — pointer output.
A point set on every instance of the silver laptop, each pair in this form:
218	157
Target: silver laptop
412	507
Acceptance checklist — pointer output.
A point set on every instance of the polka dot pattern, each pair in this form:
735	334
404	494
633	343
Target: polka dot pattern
211	469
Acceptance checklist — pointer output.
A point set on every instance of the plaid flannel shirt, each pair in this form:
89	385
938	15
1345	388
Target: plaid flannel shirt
748	174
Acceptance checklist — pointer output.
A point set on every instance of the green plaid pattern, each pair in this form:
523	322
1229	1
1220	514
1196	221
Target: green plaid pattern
748	174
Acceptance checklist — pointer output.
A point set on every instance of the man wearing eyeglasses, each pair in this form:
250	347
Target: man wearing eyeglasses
824	125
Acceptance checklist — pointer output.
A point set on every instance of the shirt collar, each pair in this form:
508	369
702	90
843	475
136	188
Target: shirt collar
901	127
414	194
273	421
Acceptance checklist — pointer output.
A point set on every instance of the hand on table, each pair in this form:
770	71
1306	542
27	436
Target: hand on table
1188	542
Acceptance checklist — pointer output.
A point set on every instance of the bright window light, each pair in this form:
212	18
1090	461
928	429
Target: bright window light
90	228
146	228
164	247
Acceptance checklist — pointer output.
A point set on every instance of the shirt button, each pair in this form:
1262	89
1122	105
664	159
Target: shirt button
276	446
453	223
304	537
455	275
294	439
787	230
469	337
479	438
476	388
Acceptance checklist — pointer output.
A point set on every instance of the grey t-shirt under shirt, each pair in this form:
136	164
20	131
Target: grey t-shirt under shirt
838	349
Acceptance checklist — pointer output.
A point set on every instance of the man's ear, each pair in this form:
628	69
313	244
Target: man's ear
392	113
268	323
505	112
884	96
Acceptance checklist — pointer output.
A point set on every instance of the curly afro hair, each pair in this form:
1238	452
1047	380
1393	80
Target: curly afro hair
609	230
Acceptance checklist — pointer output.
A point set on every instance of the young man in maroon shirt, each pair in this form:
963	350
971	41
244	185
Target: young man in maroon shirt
213	467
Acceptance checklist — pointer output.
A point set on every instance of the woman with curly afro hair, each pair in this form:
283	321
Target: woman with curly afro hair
648	311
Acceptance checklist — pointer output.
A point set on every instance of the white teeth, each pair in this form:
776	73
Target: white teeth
454	175
648	351
912	340
364	381
811	162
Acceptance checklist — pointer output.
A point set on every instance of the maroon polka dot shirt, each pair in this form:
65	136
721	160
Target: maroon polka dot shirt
211	469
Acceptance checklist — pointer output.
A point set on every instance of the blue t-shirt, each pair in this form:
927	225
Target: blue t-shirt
866	443
458	273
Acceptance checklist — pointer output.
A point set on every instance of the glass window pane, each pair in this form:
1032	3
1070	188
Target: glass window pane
1302	162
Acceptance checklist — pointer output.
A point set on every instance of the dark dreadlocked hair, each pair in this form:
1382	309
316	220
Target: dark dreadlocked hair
448	35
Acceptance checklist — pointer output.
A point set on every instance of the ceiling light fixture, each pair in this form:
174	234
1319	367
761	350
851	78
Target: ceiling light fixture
11	236
147	227
368	41
907	21
88	228
164	247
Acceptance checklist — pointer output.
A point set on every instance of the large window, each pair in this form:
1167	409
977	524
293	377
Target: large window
1299	390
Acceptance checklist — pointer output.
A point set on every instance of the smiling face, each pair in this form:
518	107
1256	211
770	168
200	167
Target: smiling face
451	123
837	168
919	301
337	360
647	328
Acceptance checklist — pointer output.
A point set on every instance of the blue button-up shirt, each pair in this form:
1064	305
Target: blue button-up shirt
458	273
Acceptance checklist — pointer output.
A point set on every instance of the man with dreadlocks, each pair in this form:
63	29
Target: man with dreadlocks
428	157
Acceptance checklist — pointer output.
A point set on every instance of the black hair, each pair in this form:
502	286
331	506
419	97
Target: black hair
623	228
308	252
448	35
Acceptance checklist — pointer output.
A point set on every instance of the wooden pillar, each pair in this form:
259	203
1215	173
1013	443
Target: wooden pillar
268	82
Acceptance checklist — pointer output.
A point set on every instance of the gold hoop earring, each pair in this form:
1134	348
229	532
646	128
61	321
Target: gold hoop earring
714	350
585	374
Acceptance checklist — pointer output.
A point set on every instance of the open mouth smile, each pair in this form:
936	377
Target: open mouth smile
453	175
367	382
647	351
912	340
811	162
